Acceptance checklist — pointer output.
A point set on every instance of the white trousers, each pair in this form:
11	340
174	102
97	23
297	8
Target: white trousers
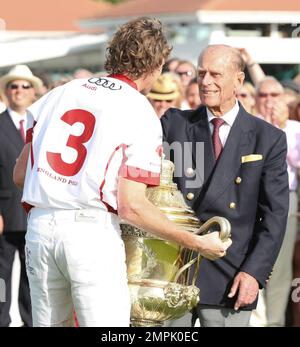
75	260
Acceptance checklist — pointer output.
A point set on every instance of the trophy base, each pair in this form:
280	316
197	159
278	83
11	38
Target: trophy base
143	323
155	302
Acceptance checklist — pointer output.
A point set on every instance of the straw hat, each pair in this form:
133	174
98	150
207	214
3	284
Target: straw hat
20	72
164	88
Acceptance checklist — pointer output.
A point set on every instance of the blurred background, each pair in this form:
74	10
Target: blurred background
59	37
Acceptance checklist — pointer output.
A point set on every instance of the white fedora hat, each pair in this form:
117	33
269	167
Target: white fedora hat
20	72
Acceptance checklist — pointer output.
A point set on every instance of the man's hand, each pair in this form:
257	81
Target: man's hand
1	225
280	114
245	55
213	247
247	288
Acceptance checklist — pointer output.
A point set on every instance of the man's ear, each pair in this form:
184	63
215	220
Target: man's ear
241	77
239	80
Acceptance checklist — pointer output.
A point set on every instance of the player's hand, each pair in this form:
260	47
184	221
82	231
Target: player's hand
213	247
246	287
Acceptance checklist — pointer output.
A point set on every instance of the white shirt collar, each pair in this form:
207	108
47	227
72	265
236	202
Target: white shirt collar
16	117
229	117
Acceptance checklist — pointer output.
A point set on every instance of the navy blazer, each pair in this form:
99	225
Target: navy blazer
11	144
253	196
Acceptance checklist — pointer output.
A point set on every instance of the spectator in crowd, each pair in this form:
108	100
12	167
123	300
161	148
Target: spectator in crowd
287	97
269	101
254	69
291	91
61	80
245	180
296	276
2	102
295	110
19	86
46	84
292	98
192	95
291	87
246	95
295	115
272	107
170	65
186	71
165	93
82	73
297	79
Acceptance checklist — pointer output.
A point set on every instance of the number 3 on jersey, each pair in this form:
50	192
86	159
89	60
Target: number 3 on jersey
77	142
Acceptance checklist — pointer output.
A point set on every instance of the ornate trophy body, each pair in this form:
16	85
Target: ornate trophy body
162	274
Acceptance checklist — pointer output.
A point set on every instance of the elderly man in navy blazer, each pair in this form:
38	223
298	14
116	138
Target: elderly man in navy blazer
242	176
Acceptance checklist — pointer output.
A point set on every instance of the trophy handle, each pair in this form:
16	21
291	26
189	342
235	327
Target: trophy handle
187	266
225	227
225	233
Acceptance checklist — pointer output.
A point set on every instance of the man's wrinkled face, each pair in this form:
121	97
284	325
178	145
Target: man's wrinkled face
218	80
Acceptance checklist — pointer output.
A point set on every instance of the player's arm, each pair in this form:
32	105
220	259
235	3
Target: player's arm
135	208
21	165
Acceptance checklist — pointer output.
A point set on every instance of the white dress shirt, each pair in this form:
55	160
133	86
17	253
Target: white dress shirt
229	118
16	117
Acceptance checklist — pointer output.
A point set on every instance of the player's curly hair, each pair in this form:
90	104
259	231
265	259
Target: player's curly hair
139	47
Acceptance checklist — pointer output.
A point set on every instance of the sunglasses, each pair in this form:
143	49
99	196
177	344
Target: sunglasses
264	95
14	86
184	73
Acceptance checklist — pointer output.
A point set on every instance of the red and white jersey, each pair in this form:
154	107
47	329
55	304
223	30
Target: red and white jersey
86	134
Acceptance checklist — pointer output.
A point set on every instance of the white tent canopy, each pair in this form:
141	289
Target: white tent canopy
40	49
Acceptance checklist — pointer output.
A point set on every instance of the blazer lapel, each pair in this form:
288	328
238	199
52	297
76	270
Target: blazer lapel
11	131
199	132
229	161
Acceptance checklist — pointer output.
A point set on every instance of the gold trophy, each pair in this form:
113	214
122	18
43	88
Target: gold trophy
162	274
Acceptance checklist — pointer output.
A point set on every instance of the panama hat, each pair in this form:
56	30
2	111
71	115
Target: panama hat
20	72
164	88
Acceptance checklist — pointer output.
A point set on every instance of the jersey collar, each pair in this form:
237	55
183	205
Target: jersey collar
124	79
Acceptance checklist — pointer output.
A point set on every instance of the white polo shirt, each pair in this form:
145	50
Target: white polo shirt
84	135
